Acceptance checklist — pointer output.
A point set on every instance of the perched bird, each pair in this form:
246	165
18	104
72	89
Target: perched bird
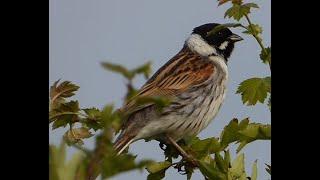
195	80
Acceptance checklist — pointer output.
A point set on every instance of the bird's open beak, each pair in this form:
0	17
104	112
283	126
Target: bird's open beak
235	38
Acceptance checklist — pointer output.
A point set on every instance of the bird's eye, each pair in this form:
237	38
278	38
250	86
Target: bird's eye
219	33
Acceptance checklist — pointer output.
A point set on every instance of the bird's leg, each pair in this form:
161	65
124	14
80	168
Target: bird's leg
182	152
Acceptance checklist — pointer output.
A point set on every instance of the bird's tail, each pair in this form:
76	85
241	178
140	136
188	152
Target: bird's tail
122	143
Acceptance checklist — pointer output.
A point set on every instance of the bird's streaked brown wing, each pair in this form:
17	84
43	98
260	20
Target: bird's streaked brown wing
182	72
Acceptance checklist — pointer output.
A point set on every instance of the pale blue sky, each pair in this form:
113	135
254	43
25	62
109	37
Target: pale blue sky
85	33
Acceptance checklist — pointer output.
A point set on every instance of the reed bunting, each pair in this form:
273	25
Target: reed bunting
195	80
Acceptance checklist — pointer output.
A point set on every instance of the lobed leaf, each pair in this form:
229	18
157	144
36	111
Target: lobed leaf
254	131
91	124
254	89
230	132
58	93
92	113
238	11
67	113
253	29
206	147
65	89
244	133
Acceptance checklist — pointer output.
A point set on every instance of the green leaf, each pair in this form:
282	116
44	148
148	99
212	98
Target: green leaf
268	169
158	166
256	131
192	141
56	160
58	168
265	56
118	69
157	176
238	11
237	169
144	69
254	89
221	164
112	119
243	176
227	158
92	113
113	164
208	159
254	173
252	132
107	116
61	120
205	147
223	26
91	124
230	132
118	121
269	103
253	29
210	171
93	118
244	133
67	113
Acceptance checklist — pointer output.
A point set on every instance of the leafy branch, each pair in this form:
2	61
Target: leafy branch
240	10
259	87
218	167
211	155
201	151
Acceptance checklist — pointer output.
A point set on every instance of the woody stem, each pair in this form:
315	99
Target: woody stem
173	142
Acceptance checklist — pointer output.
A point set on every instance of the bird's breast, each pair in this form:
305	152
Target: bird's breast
193	110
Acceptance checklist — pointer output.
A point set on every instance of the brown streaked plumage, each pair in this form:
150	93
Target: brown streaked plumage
195	80
185	70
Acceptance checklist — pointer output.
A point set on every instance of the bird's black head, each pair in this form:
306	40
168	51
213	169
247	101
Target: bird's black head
222	40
